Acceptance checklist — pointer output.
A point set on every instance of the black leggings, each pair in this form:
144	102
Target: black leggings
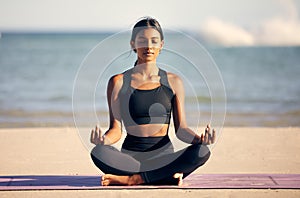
155	167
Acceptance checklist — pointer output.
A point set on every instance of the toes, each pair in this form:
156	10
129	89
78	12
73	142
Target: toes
105	183
104	180
105	177
179	176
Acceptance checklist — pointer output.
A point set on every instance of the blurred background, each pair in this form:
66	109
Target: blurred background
255	45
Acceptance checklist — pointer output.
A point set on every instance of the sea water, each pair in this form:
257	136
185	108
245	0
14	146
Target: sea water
38	70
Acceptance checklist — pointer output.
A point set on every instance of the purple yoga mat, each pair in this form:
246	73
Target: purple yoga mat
195	181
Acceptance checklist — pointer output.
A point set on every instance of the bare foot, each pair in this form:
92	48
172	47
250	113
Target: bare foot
180	178
109	179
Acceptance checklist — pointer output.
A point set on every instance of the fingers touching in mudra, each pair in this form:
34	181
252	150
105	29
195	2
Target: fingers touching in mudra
209	136
96	136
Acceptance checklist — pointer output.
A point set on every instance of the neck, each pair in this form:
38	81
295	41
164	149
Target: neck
146	68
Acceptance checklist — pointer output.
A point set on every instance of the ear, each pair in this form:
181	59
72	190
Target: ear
162	44
132	45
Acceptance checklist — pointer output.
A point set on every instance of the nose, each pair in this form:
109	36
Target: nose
149	44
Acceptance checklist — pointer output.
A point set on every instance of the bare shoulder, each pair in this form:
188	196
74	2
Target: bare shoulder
116	78
116	81
175	81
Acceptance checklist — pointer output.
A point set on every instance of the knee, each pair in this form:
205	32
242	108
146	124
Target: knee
204	152
201	154
97	151
97	157
102	152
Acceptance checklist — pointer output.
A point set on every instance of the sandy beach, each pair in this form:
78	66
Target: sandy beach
59	151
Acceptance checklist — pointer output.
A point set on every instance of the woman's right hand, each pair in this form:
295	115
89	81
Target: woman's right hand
96	136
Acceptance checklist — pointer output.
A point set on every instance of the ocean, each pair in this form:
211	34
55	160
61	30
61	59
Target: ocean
258	86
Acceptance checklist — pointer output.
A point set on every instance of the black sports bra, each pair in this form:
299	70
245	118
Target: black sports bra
153	106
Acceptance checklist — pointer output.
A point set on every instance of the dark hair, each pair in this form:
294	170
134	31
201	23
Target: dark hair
146	22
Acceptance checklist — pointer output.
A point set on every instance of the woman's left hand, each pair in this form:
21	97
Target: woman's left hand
208	138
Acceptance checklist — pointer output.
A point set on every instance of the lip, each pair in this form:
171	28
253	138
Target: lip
149	53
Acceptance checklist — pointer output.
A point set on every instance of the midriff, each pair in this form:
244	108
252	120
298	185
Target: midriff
148	130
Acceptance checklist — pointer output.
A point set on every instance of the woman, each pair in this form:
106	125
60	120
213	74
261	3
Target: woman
143	98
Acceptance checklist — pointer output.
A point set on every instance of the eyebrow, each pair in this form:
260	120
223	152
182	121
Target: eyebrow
142	37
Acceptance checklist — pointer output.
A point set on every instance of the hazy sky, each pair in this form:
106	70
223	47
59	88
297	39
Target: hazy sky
230	22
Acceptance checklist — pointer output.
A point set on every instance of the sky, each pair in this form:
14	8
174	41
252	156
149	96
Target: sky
228	22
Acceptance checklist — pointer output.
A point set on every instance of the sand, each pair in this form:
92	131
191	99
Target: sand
56	151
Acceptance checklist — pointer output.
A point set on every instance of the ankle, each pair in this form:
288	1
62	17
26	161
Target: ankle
135	180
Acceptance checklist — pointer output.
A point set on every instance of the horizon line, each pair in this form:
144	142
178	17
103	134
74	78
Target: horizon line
198	37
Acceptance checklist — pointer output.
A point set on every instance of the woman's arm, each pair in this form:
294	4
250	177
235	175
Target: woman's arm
113	134
183	132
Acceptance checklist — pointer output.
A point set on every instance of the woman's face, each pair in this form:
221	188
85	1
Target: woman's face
148	44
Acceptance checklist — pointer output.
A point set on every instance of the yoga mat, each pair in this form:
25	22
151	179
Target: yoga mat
194	181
